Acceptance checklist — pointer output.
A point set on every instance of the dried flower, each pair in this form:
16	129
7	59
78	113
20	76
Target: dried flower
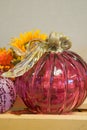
6	57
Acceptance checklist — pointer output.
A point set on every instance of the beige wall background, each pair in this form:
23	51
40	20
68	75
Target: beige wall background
67	16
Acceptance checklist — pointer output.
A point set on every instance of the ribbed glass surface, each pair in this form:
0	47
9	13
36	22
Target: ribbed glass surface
56	84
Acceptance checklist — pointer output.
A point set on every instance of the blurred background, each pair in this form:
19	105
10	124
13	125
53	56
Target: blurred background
67	16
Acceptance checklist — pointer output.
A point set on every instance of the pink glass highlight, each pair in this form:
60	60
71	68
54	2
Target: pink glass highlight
56	84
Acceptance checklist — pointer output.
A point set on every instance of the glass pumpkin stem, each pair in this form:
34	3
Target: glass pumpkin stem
58	42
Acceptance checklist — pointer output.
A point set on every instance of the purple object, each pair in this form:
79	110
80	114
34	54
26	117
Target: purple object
7	94
56	84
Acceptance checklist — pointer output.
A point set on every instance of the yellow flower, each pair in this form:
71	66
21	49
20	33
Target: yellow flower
25	38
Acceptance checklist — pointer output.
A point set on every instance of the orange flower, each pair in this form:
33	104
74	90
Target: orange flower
5	59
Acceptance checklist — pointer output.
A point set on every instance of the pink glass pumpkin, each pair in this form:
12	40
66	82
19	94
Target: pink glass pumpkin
7	94
51	79
56	84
